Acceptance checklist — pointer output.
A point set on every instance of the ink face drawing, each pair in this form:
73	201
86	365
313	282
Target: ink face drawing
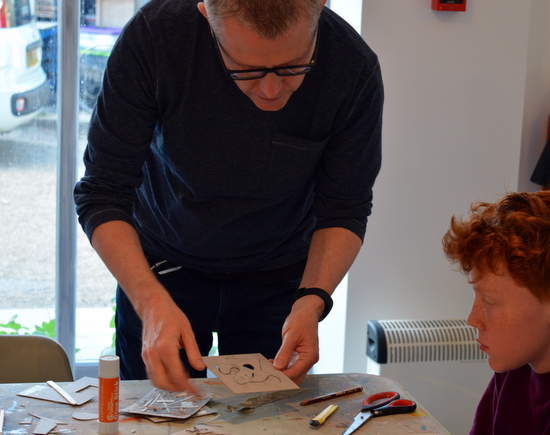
248	373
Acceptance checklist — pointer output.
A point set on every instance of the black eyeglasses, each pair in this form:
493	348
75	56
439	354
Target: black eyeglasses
284	71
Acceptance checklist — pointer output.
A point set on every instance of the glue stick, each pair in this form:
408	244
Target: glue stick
109	369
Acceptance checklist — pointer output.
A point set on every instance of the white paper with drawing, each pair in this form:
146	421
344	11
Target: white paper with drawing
248	373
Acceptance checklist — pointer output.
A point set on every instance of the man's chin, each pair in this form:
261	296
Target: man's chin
268	105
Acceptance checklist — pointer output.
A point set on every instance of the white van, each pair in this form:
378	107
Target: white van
24	89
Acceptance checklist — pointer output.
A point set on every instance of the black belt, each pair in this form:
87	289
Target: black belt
269	276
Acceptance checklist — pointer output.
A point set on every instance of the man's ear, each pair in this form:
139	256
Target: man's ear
202	9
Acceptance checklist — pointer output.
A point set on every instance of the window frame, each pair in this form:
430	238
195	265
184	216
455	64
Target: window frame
67	138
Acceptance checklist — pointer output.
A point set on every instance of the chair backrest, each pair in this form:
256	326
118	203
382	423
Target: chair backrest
33	358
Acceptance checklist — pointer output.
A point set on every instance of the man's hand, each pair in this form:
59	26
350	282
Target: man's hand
300	348
166	330
330	256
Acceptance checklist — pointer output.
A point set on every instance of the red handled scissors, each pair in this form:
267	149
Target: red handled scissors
380	404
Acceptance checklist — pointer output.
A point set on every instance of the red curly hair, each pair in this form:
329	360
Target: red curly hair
512	233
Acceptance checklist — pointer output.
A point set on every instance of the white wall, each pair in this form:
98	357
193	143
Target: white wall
460	125
349	10
537	92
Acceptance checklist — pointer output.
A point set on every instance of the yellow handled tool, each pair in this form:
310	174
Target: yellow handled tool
319	419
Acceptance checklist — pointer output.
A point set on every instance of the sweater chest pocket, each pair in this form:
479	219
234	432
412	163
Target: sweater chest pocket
291	164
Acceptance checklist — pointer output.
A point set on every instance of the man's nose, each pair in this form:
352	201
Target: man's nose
271	84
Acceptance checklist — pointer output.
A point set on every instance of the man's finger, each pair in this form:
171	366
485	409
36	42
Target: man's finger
284	356
165	368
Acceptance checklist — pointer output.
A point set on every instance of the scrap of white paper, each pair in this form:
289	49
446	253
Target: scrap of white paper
248	373
85	415
26	420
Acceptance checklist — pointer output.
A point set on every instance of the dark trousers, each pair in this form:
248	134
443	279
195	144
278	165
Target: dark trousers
246	310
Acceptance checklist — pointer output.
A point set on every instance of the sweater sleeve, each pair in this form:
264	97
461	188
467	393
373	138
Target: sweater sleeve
118	140
352	159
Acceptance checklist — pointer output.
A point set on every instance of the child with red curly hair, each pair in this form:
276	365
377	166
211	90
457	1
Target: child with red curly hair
504	248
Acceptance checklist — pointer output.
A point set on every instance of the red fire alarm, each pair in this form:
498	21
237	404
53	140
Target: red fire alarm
449	5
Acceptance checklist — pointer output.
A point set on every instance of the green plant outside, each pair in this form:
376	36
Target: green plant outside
12	327
15	328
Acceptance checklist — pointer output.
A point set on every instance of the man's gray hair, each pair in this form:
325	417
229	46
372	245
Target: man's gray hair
267	18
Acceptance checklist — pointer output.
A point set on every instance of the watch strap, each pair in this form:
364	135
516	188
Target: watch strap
323	294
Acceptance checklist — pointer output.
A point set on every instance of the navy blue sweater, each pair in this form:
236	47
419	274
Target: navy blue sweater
210	181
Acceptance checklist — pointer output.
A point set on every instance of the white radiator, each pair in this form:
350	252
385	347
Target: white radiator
437	361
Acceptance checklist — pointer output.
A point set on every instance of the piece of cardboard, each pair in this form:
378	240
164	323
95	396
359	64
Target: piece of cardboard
248	373
78	390
165	404
44	427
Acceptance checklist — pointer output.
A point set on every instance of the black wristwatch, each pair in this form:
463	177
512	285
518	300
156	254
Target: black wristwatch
317	292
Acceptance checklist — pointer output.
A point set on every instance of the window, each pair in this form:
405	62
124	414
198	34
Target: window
51	280
15	13
27	175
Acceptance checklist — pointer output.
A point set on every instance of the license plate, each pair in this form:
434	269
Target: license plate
32	54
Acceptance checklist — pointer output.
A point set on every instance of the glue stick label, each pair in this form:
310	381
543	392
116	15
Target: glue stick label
108	400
